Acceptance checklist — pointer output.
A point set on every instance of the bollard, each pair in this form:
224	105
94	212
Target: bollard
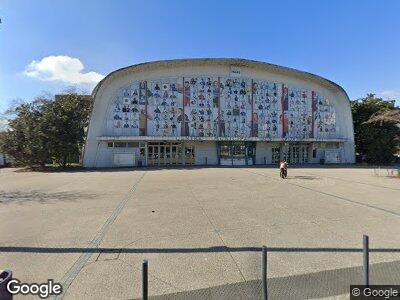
206	160
366	260
5	278
264	273
145	287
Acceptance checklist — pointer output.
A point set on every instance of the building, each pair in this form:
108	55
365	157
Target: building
217	112
4	160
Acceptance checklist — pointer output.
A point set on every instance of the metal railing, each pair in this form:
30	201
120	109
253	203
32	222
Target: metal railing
264	270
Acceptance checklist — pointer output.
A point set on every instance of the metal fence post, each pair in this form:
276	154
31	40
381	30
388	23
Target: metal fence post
264	273
366	260
5	277
145	286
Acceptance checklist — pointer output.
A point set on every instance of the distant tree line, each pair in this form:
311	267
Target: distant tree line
47	130
53	130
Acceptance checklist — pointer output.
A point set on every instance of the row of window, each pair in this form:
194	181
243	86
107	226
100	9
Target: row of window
123	144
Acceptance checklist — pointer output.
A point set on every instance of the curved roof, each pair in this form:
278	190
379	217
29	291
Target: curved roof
239	62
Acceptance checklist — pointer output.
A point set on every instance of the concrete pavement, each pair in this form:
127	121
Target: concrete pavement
199	228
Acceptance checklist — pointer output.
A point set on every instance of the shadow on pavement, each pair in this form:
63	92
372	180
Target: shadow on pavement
36	196
21	249
321	284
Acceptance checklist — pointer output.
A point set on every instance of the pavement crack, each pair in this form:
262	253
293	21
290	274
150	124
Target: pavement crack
216	230
330	195
151	275
80	263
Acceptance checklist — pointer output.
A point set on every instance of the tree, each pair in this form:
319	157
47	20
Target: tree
386	115
24	140
376	141
66	119
47	130
3	123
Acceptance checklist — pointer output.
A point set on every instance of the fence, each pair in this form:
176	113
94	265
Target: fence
387	172
265	287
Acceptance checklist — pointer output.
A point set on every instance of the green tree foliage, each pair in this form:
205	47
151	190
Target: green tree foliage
65	120
375	141
47	130
24	140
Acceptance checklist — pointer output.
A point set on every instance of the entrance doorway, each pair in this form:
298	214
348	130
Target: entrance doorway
235	153
296	154
169	153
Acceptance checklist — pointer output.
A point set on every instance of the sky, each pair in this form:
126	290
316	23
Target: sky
48	46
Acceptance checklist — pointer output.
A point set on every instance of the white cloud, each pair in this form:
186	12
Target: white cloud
391	94
61	68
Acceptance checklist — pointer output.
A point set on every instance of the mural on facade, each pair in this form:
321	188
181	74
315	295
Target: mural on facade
201	104
236	107
129	110
164	107
267	109
299	113
210	106
324	118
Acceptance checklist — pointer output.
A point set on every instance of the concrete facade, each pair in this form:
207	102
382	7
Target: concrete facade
217	111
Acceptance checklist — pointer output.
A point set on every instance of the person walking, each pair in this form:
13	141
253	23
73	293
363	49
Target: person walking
283	168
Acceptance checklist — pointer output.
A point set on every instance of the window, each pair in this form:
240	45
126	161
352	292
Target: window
276	155
304	154
314	153
225	151
133	144
110	144
119	144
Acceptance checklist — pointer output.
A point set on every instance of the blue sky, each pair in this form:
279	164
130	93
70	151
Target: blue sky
51	45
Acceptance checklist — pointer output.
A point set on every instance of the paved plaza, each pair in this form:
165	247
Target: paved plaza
201	230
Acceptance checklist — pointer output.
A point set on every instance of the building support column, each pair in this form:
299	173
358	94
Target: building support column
146	153
183	152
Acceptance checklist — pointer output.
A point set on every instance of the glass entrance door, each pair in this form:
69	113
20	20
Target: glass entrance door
304	154
154	155
168	153
161	160
294	157
236	153
296	154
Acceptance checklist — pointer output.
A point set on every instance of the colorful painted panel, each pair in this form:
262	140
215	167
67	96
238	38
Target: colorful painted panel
236	107
267	112
164	107
201	101
299	113
128	110
324	118
211	106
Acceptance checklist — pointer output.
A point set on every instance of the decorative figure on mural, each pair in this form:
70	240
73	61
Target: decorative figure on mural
221	124
183	119
255	125
142	122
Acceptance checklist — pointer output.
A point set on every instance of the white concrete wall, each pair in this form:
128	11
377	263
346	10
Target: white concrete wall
206	149
263	150
107	90
105	155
